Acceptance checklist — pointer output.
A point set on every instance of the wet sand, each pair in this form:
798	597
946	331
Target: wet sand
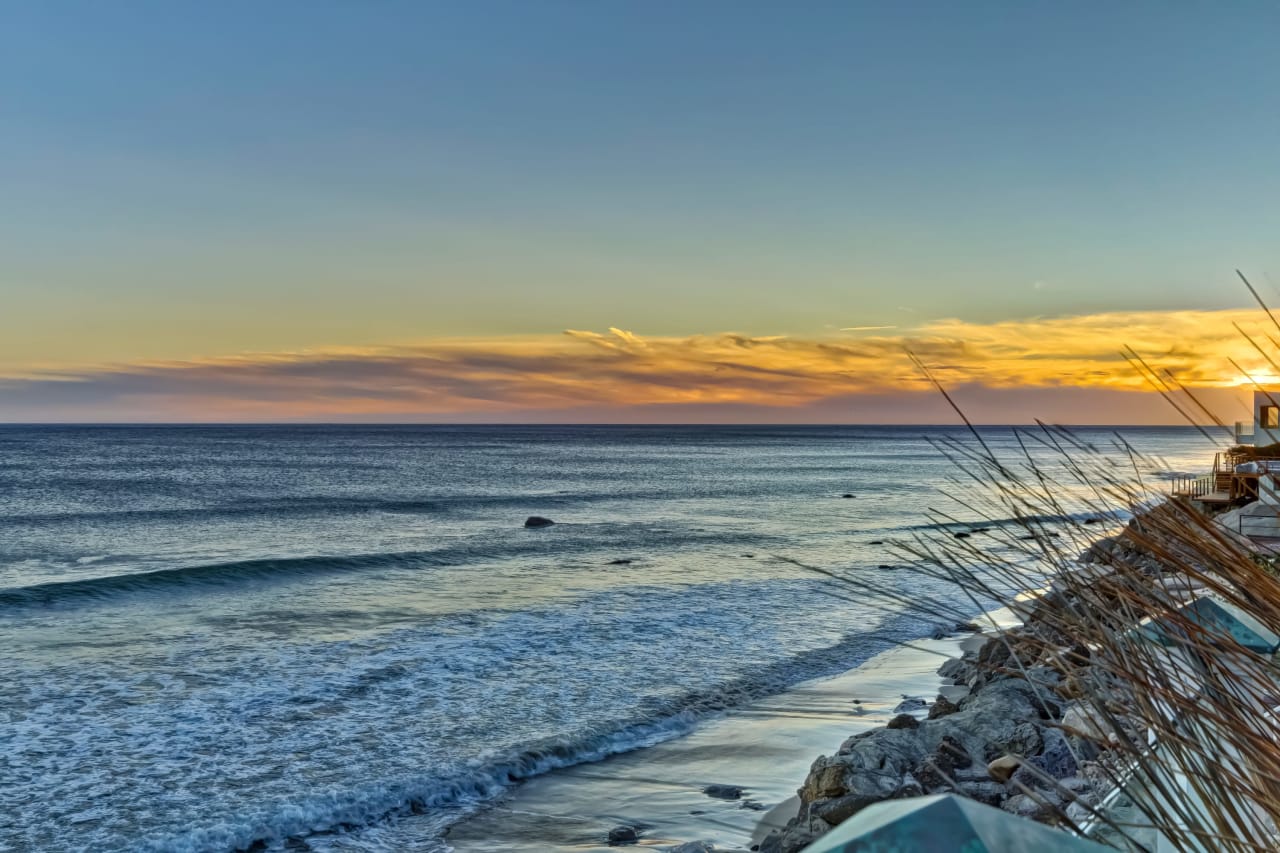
764	748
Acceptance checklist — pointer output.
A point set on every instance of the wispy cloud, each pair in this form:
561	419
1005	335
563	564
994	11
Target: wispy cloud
622	371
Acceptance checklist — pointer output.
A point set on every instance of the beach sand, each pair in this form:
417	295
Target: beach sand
764	748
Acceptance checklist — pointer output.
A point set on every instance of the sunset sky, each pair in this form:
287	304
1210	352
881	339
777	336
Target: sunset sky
641	211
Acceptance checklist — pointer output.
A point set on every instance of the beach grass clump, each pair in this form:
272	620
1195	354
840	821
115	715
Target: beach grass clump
1131	641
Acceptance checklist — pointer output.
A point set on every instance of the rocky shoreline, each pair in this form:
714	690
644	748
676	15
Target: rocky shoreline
1019	739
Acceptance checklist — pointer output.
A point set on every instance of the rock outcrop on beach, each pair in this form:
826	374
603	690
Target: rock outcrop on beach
997	742
1021	739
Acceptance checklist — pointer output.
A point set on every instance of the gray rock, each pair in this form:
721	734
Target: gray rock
938	770
1025	739
538	521
1087	722
909	704
942	706
693	847
798	834
624	835
1056	762
882	764
988	792
903	721
954	671
1029	807
723	792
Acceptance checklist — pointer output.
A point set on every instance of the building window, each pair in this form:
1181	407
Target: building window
1269	417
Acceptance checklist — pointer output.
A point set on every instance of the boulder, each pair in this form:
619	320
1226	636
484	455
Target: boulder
798	834
1057	761
903	721
538	521
909	704
1086	722
955	671
984	791
1026	806
723	792
938	770
623	835
942	706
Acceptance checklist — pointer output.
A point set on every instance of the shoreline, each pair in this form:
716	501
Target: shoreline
764	748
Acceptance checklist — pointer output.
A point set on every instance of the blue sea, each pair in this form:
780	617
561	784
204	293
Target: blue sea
291	637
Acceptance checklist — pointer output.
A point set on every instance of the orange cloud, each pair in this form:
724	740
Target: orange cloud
620	370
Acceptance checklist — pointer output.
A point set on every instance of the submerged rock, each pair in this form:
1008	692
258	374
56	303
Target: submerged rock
621	562
723	792
693	847
538	521
624	835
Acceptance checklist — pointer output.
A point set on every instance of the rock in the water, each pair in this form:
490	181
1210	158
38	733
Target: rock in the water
962	535
538	521
623	835
623	561
955	671
846	495
910	703
723	792
903	721
876	542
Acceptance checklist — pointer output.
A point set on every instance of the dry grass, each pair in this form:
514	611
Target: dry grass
1185	724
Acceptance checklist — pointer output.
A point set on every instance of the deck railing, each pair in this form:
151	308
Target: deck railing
1195	487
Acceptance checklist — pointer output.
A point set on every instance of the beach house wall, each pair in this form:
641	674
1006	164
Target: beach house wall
1266	417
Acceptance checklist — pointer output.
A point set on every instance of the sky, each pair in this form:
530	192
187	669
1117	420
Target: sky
631	211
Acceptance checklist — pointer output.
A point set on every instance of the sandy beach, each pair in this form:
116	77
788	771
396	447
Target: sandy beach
765	749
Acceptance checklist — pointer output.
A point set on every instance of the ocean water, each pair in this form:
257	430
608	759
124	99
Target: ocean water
230	638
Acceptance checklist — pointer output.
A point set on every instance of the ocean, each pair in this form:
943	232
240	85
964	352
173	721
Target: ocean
220	638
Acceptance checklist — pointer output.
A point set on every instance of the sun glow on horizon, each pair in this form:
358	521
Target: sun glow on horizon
620	370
